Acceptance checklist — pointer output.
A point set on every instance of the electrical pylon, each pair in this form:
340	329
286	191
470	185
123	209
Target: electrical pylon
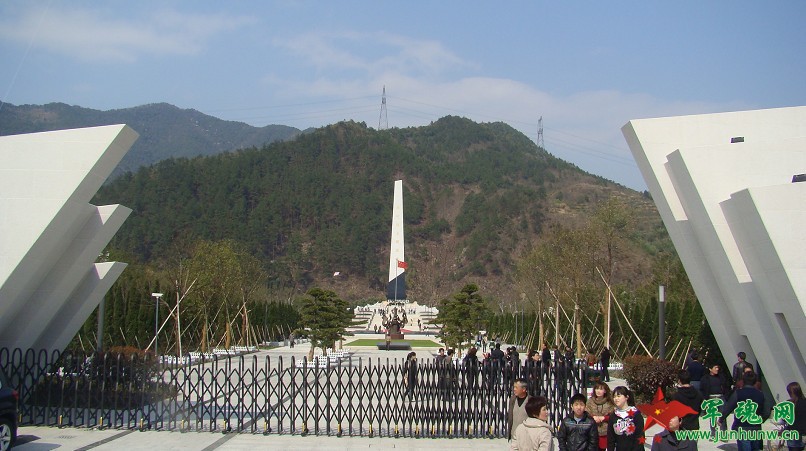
383	121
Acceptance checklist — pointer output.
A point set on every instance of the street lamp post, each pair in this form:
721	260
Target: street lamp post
156	297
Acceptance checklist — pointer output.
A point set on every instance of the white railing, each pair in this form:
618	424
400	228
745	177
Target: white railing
321	361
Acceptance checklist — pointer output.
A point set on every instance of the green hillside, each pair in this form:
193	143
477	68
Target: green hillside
476	196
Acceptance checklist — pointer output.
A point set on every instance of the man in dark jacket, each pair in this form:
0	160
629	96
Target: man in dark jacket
748	419
691	397
578	431
696	370
667	440
605	360
739	367
497	356
715	386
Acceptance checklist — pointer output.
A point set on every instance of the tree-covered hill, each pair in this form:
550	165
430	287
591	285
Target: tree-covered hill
476	196
165	130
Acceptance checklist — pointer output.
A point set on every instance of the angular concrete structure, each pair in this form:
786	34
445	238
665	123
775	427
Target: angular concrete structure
723	184
51	236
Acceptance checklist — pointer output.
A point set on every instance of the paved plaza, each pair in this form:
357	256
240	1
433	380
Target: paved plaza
50	438
68	438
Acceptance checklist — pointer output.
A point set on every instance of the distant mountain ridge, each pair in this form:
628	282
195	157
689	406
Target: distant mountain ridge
166	131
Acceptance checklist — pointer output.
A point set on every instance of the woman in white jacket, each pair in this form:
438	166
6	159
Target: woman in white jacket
534	434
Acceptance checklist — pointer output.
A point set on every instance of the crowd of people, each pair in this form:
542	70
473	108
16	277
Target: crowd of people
610	421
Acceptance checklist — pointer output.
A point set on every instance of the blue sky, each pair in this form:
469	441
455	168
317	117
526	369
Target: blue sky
585	67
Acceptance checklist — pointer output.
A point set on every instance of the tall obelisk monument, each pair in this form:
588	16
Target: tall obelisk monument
396	289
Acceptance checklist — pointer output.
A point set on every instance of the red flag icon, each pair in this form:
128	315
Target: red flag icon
661	412
402	264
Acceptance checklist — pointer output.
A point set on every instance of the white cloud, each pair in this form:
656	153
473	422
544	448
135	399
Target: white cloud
372	53
583	128
98	35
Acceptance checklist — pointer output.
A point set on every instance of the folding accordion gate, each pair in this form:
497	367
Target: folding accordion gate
273	395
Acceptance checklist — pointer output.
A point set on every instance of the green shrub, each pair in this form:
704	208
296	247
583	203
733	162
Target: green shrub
645	374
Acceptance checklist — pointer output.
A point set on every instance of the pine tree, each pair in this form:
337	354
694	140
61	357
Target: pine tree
324	318
462	316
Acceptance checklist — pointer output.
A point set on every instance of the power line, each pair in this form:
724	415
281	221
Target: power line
25	55
568	145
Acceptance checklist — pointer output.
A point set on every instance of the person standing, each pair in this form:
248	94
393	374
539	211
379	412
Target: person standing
497	361
696	370
545	358
410	370
714	386
625	427
600	406
605	361
667	440
691	397
534	434
578	431
442	370
516	413
799	423
533	371
471	367
570	361
498	354
740	366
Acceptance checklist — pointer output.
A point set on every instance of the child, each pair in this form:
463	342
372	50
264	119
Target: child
578	431
625	427
599	407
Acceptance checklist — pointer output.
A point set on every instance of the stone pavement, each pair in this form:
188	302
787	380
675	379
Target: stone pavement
48	438
34	438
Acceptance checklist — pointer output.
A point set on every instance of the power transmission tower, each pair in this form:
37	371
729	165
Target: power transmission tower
383	121
539	133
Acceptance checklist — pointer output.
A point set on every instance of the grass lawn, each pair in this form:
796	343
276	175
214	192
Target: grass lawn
375	341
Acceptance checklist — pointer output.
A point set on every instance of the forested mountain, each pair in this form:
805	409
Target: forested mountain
476	196
165	130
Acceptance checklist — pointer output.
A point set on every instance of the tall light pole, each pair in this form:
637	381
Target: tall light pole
156	297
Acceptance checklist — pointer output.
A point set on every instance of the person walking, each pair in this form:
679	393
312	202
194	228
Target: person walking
600	406
746	422
625	426
534	434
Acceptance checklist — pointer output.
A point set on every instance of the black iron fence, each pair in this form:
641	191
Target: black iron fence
272	395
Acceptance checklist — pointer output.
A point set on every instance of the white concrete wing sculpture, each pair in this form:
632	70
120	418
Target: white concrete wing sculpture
723	184
51	236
